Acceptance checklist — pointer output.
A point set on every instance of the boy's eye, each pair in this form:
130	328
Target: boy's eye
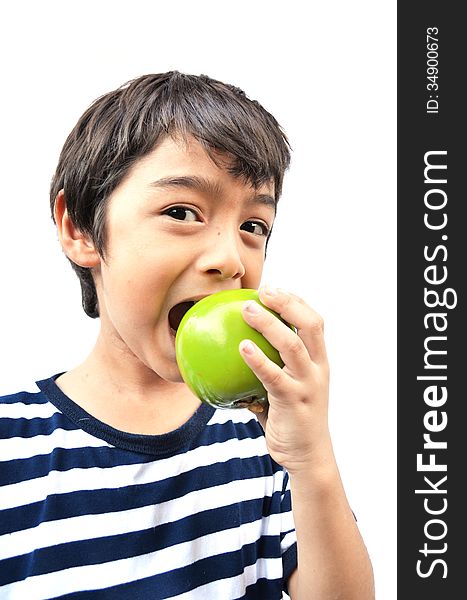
181	213
255	227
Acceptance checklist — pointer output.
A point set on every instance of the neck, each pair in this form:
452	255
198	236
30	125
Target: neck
135	400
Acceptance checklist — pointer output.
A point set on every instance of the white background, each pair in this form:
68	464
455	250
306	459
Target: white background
327	71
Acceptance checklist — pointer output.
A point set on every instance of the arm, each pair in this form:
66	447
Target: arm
332	558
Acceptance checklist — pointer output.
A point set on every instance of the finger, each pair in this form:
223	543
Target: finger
308	323
289	345
271	375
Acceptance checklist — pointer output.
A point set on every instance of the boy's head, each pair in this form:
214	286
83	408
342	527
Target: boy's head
125	125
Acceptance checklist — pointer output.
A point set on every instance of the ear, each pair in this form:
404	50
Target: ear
76	245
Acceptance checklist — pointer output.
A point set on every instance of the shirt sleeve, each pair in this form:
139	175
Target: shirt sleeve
288	535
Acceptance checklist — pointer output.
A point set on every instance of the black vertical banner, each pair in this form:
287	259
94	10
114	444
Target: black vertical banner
432	331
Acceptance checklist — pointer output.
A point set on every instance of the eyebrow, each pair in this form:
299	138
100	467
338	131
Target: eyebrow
207	186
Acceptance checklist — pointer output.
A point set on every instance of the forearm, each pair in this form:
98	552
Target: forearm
333	562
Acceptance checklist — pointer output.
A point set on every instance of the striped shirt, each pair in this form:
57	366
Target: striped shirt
87	511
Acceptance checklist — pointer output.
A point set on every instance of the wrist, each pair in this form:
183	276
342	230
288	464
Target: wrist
318	460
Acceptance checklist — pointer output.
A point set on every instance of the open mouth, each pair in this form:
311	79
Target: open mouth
177	312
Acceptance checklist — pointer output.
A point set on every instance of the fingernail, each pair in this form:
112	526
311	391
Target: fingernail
269	291
253	307
247	347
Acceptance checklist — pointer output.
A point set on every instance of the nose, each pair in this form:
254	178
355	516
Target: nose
222	257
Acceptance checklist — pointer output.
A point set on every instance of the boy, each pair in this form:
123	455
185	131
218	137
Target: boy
119	482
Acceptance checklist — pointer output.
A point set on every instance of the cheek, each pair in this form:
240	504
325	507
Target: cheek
254	270
139	276
132	288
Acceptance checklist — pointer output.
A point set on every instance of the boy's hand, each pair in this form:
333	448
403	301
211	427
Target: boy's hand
296	421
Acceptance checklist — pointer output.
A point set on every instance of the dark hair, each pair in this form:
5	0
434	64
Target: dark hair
122	126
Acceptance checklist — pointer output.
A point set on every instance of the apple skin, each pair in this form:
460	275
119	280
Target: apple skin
208	355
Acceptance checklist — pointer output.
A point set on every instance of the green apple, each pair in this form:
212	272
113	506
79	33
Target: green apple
208	356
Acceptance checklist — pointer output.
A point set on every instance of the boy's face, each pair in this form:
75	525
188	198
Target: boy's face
178	228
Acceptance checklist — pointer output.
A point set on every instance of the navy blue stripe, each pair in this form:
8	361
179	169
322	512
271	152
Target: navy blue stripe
62	506
184	579
111	548
287	502
64	459
24	398
289	564
263	589
29	428
222	432
61	459
218	432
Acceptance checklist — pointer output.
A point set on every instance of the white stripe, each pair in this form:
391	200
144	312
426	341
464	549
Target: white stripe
234	587
105	575
287	521
19	447
94	478
50	533
26	387
288	541
18	410
236	415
